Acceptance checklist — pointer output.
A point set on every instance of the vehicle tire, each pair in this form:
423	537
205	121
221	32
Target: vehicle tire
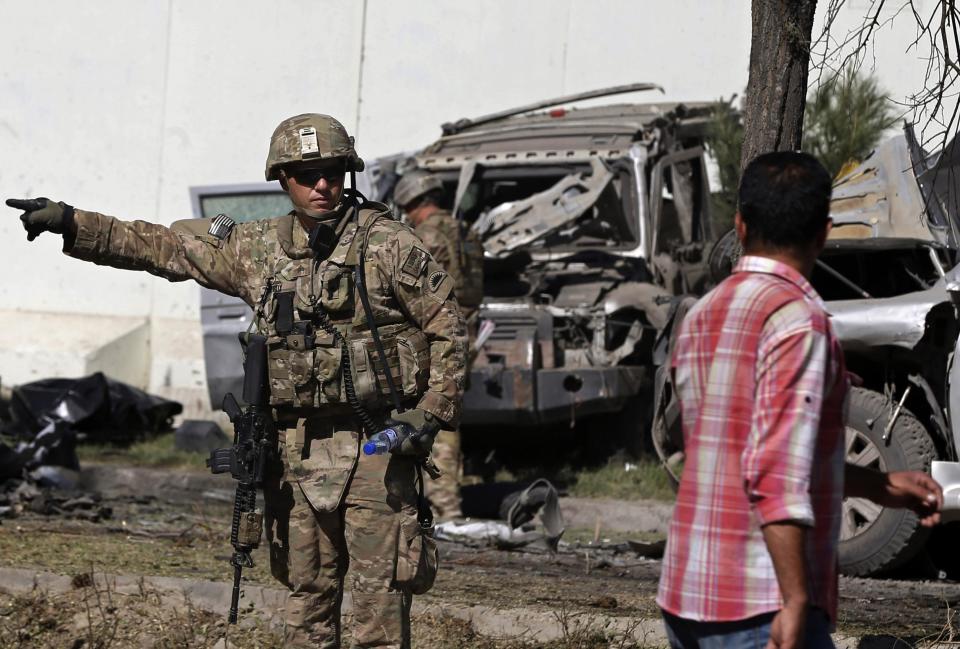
876	539
723	256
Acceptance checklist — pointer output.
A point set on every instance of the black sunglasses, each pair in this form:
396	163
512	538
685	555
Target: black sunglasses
312	175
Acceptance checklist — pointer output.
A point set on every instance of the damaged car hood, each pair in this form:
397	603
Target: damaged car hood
901	320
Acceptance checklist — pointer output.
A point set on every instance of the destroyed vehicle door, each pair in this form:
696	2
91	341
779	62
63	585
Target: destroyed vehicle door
222	317
680	220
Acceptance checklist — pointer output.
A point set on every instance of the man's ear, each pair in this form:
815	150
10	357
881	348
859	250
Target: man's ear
740	227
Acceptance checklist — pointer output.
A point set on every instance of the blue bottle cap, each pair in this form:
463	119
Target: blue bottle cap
370	448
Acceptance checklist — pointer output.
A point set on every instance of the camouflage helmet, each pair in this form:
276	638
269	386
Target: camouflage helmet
308	138
413	185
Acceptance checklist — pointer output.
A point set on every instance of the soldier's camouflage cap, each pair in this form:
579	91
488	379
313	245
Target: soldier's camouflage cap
413	185
310	137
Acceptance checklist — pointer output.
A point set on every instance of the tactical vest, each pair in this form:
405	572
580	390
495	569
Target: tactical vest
305	298
465	252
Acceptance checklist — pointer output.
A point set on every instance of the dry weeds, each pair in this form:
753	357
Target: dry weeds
96	616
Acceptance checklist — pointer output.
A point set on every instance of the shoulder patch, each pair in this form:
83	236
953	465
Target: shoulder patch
436	279
221	227
439	285
415	261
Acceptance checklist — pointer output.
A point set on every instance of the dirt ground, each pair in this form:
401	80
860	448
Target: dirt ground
148	534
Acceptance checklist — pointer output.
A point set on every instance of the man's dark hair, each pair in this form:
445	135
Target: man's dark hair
784	199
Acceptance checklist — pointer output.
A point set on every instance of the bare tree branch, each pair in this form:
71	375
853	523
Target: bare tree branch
933	106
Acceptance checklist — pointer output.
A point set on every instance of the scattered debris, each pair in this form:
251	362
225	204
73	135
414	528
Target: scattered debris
605	601
199	436
651	550
19	496
540	500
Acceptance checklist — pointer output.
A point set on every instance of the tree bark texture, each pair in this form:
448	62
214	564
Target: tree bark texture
777	89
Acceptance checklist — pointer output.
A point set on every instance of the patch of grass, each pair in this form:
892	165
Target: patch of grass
644	479
156	452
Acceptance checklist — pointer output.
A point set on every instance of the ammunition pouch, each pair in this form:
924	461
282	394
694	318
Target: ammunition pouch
418	558
305	366
336	282
250	529
408	357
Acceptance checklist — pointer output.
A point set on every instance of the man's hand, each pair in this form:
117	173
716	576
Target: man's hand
914	490
426	426
788	628
42	215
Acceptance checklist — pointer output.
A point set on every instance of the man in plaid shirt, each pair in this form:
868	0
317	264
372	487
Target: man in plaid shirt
751	558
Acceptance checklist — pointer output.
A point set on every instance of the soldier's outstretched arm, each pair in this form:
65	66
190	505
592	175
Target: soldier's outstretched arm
425	291
135	245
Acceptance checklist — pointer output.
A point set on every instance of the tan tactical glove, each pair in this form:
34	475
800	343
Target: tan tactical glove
43	215
425	428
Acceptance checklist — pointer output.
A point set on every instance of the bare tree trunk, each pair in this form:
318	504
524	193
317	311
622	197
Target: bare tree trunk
777	90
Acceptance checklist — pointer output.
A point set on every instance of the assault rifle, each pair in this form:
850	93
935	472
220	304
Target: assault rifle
254	443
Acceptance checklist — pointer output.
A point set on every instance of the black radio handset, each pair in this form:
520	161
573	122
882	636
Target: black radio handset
325	235
322	240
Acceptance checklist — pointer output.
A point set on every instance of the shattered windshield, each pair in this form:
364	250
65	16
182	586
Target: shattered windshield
568	208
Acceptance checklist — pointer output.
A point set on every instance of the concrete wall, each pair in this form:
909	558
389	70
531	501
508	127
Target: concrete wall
121	107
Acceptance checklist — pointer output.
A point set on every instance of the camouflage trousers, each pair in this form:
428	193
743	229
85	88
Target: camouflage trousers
444	493
313	549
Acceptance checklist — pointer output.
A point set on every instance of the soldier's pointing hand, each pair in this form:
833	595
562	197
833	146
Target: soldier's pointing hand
42	215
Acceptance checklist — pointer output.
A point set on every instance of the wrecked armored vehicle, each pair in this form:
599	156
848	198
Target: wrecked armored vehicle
890	281
592	219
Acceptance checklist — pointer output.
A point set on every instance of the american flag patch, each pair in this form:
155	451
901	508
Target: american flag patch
221	226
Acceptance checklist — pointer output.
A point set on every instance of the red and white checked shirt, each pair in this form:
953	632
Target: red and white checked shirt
761	382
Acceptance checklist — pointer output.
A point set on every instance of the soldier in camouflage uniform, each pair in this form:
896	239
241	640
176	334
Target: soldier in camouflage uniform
458	249
329	507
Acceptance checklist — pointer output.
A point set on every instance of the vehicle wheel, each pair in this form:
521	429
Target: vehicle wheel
874	539
723	256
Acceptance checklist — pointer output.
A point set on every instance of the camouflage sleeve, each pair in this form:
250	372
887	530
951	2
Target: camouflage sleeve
175	256
425	293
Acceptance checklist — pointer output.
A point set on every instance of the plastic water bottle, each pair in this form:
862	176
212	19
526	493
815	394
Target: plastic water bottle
385	441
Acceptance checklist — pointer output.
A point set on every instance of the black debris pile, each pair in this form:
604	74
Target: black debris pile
98	408
46	419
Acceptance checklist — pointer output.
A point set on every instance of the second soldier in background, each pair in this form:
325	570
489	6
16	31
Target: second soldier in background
310	276
458	249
